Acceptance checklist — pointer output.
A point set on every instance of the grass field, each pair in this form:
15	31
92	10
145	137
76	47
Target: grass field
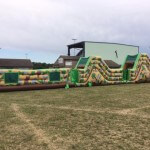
105	117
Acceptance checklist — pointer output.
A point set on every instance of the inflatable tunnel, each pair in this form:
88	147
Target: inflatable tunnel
9	77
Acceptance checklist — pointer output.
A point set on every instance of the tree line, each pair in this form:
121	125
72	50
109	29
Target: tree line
39	65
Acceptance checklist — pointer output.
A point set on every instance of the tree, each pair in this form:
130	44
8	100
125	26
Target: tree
38	65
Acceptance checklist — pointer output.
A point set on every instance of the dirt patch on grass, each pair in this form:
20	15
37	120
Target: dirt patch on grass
39	133
133	111
129	111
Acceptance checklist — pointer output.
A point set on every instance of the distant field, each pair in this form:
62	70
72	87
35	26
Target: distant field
97	118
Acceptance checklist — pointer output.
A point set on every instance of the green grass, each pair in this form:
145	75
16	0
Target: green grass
104	117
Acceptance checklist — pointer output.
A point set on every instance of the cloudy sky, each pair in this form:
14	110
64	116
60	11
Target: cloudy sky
43	28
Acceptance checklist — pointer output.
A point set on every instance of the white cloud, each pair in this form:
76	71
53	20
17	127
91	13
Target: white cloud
49	25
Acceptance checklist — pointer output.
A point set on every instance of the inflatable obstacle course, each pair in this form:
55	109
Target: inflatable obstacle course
88	71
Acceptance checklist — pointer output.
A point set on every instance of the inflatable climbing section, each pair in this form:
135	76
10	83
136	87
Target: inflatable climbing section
93	70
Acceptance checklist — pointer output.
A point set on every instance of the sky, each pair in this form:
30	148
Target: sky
41	29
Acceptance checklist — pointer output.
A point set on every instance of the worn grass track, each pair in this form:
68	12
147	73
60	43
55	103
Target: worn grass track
106	117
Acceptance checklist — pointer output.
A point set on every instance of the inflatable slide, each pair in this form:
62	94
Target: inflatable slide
137	68
95	70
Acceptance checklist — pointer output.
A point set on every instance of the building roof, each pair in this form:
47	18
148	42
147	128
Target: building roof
69	57
112	64
16	63
81	44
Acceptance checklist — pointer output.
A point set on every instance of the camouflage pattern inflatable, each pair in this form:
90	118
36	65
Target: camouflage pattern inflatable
88	71
31	77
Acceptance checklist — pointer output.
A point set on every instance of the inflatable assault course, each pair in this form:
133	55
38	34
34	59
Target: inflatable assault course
88	71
